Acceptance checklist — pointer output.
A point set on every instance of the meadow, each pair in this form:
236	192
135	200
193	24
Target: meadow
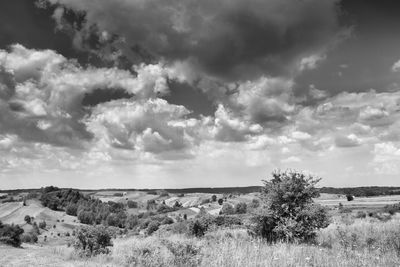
158	232
348	242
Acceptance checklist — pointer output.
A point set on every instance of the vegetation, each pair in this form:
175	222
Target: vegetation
289	213
90	241
10	234
132	204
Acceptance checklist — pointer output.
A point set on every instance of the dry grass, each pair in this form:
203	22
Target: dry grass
364	242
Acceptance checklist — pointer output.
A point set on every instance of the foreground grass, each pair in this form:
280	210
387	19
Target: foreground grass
363	242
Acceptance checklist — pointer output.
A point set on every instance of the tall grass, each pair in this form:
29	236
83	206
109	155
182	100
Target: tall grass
365	242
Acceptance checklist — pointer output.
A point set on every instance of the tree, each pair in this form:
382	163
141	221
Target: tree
213	198
10	234
27	219
90	241
220	201
349	197
290	213
72	209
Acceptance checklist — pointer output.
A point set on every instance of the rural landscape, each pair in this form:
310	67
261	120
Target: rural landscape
210	133
286	222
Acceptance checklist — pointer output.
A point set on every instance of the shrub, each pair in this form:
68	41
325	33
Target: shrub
90	241
241	208
27	219
349	197
118	194
255	203
35	228
181	195
29	238
200	225
132	204
86	217
10	234
290	212
152	227
163	193
42	225
32	195
167	220
72	209
361	215
177	205
227	221
213	198
220	201
132	221
163	208
227	209
197	228
151	204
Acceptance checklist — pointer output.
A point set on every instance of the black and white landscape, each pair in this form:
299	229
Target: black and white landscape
199	133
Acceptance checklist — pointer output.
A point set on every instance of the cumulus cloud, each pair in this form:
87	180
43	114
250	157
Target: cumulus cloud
42	93
230	39
150	126
396	66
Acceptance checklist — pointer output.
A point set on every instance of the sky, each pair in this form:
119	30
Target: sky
175	94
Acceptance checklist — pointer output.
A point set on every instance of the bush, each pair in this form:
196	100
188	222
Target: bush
152	227
132	204
163	193
167	220
220	201
29	238
90	241
213	198
241	208
132	221
42	225
200	225
349	197
118	194
255	203
361	215
227	221
227	209
163	208
72	209
151	204
27	219
86	217
290	213
10	234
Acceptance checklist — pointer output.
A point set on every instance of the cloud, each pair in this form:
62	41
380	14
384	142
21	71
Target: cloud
386	158
42	93
396	66
152	125
230	38
347	141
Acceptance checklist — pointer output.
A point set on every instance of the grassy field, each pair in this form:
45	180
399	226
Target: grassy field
365	242
347	241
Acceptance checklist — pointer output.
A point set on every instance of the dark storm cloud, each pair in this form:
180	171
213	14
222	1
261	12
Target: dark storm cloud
233	39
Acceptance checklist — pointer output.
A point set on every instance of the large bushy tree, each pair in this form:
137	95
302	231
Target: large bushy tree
289	212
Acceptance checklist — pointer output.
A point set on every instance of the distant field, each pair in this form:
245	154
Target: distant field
358	202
